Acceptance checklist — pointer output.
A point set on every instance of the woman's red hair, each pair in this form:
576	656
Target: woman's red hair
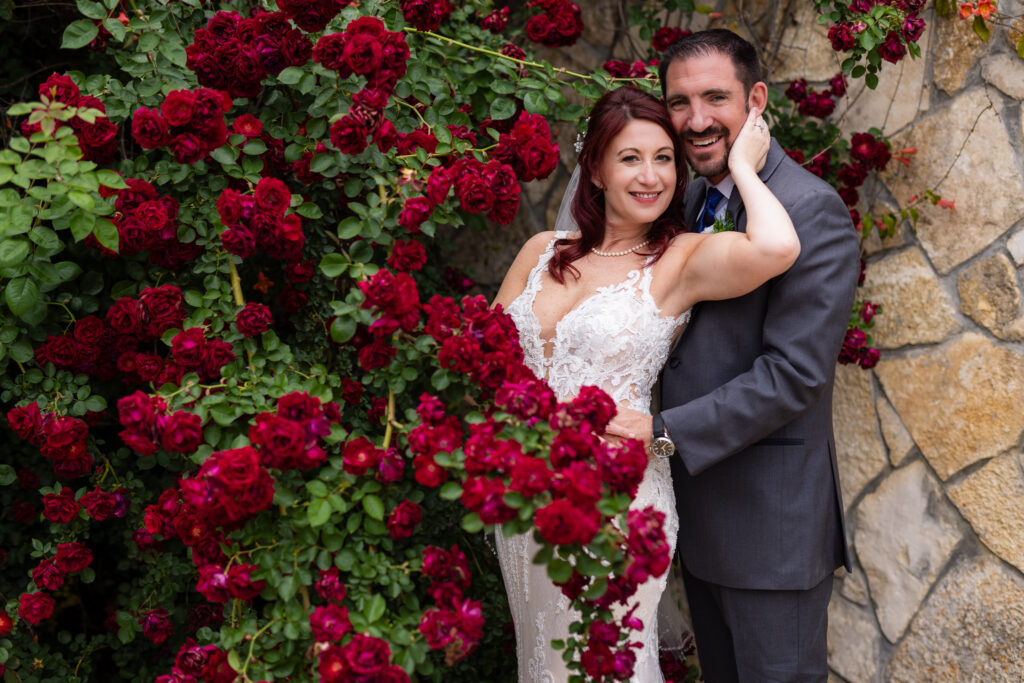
608	117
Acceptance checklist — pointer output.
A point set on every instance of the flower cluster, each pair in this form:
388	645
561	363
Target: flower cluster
559	24
49	575
476	340
368	49
231	486
490	189
190	123
312	15
396	302
363	658
149	426
902	26
196	662
259	222
146	220
89	347
291	437
60	438
496	21
982	8
528	148
637	69
425	15
666	35
235	54
857	347
817	103
97	138
454	624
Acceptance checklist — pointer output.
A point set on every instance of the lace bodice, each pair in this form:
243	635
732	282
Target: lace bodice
615	339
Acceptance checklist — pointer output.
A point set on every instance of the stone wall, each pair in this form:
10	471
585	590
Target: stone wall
930	443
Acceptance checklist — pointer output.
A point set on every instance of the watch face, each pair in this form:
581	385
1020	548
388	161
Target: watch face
662	447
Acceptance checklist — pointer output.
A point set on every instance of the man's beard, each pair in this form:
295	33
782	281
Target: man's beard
709	168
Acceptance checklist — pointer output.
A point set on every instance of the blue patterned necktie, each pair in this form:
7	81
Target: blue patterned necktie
707	214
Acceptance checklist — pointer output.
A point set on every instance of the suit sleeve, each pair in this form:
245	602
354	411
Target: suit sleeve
804	325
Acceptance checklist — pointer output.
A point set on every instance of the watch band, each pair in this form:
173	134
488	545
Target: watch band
658	426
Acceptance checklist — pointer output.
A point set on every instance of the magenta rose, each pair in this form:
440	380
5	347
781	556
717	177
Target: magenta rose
404	519
253	319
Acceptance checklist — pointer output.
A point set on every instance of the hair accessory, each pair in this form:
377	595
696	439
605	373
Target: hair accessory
578	145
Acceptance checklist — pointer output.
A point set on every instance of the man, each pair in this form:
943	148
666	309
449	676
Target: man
746	397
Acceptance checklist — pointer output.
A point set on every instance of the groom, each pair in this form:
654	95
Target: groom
746	397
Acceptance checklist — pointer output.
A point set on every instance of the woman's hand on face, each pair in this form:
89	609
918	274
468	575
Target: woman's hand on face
750	149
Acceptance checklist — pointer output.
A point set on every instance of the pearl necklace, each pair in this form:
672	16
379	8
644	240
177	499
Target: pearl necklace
620	253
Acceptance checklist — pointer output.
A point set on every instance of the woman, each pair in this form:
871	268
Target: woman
602	306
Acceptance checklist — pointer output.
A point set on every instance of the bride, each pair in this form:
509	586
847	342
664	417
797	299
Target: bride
603	306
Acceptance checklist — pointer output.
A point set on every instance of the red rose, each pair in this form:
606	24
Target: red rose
29	480
6	623
439	183
425	15
299	272
428	472
415	211
165	307
348	135
99	504
178	106
282	441
149	128
215	355
474	192
26	421
893	49
98	141
35	607
155	625
842	37
329	50
367	655
187	346
61	88
666	35
562	523
329	585
797	90
403	520
60	508
407	256
329	623
47	576
181	432
141	443
73	557
360	455
272	196
253	319
187	148
363	54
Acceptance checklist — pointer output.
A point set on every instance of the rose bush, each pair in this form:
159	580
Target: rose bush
255	430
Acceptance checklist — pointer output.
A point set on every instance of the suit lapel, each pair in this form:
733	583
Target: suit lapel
692	201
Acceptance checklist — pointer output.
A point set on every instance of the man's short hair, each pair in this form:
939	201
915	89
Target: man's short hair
717	40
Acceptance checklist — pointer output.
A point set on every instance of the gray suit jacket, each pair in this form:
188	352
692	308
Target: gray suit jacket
747	398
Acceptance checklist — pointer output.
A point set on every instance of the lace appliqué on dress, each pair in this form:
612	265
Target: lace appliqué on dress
616	340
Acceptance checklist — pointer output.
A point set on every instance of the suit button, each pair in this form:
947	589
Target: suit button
673	362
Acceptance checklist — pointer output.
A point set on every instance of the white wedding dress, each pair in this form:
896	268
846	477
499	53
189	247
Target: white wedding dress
616	340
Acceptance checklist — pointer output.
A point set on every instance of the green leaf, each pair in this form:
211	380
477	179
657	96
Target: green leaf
1020	47
21	295
115	27
225	155
333	265
559	570
93	10
79	34
871	80
472	523
374	507
343	329
981	28
349	228
13	252
255	147
535	103
82	199
319	512
174	51
290	75
106	233
375	608
502	108
110	179
7	475
451	491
